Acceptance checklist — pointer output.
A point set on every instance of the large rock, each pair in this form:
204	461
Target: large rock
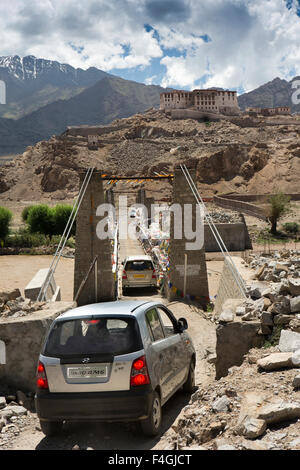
257	289
289	341
5	296
226	316
294	286
221	405
251	427
278	412
276	361
295	304
281	307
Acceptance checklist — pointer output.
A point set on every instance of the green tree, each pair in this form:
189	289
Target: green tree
61	214
40	219
25	213
279	204
5	219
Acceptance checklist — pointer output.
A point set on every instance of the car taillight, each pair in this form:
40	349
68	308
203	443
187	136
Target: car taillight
153	274
139	372
124	275
41	378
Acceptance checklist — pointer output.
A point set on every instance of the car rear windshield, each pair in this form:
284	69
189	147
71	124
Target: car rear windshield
138	265
112	336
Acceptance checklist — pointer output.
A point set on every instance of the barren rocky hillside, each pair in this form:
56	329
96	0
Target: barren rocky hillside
229	157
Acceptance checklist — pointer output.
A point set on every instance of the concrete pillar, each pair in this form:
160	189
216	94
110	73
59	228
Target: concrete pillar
196	278
100	287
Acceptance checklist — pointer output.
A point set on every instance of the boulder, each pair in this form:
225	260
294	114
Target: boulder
278	412
294	286
283	306
289	341
276	361
221	404
267	318
278	268
295	304
251	427
5	296
17	410
257	290
226	316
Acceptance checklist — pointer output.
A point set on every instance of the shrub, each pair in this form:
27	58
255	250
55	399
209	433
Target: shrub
61	214
25	212
40	219
291	227
5	219
24	239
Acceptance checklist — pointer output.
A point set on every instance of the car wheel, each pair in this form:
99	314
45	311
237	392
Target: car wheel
152	425
189	385
51	428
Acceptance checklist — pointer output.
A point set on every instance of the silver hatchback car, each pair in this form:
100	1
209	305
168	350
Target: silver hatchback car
138	271
113	361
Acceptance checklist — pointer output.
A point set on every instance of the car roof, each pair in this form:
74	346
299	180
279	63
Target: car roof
117	307
138	258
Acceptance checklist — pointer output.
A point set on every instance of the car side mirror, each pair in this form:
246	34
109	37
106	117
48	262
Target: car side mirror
182	324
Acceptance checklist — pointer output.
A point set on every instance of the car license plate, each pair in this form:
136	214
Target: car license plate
139	275
86	372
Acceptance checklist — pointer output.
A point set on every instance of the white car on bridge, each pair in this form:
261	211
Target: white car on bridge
138	271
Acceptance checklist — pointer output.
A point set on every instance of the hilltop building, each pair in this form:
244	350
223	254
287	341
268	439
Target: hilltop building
206	102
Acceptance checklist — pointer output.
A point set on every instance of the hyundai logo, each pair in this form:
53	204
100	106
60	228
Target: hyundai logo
85	360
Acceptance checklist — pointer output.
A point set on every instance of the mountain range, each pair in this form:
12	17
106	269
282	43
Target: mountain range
44	97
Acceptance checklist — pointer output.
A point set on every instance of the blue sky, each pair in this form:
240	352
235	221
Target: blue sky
235	44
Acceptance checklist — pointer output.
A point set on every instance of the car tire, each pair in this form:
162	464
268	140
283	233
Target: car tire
51	428
189	385
151	426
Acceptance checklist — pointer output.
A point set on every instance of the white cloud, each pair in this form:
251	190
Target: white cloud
252	41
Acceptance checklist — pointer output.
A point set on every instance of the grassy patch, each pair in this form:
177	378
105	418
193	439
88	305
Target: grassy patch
273	339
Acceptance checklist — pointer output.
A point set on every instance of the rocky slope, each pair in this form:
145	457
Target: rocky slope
229	158
250	409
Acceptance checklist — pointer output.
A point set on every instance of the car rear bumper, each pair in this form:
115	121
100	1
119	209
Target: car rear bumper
129	405
140	284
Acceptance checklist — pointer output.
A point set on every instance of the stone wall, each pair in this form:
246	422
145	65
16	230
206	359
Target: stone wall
240	206
23	338
228	288
235	237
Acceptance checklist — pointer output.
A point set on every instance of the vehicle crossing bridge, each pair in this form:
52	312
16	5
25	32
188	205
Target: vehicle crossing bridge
100	286
97	257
